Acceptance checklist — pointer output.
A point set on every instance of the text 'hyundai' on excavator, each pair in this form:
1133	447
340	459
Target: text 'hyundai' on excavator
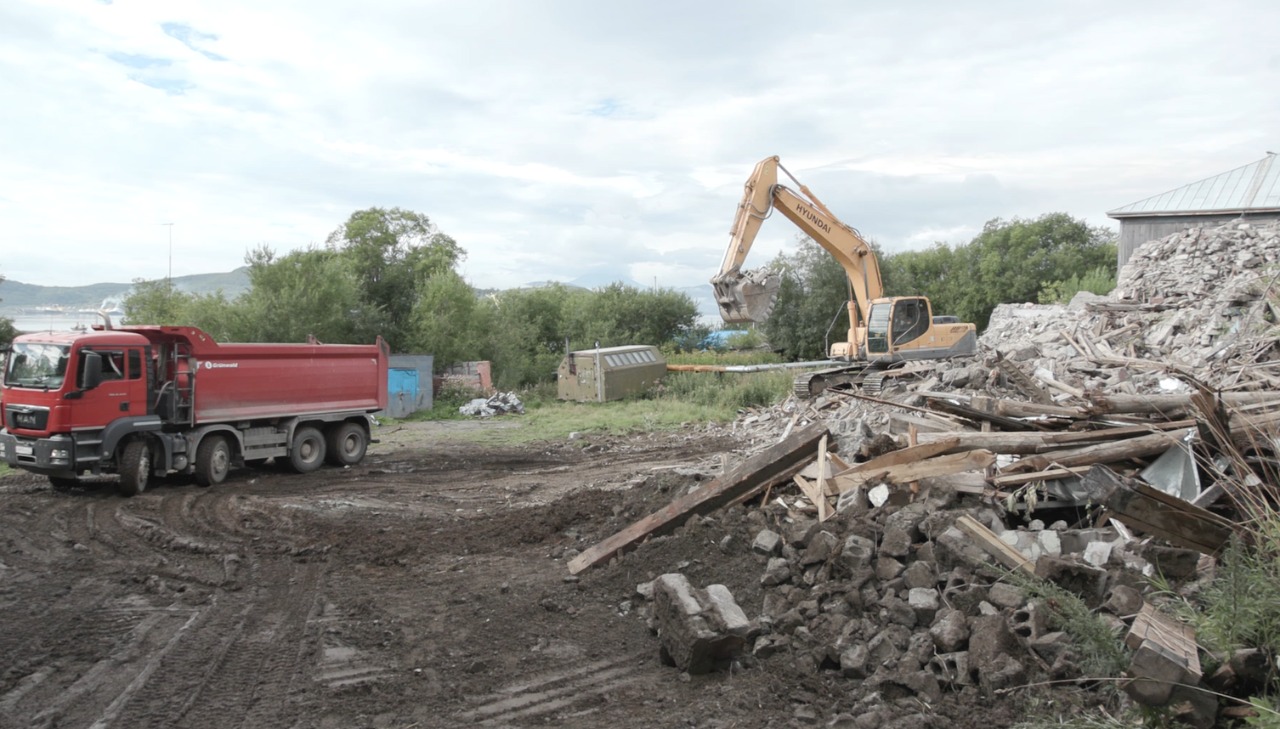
883	331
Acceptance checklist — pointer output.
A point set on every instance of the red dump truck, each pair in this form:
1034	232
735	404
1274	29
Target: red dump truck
148	401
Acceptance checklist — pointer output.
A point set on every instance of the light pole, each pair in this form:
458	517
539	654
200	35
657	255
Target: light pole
169	278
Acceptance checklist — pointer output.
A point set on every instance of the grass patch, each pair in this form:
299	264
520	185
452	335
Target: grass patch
683	398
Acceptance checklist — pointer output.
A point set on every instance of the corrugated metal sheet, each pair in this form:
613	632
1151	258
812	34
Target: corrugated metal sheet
1255	186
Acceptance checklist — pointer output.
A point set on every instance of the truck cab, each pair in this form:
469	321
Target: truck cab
63	393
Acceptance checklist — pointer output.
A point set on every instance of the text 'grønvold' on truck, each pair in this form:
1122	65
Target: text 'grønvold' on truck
147	401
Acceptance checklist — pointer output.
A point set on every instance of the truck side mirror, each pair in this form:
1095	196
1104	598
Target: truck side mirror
92	375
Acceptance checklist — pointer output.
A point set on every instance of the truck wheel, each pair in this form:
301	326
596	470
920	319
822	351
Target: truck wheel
213	460
347	444
135	468
307	453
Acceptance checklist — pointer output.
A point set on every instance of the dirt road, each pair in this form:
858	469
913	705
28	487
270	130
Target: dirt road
426	587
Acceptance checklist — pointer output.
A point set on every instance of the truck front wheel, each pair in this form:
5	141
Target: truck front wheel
135	468
347	444
308	450
213	460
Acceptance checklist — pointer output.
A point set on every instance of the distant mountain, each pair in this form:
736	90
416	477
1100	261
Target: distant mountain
18	296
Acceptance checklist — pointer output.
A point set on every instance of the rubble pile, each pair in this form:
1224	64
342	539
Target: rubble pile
913	556
502	403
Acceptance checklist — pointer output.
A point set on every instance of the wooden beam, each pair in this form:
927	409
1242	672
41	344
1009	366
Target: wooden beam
908	472
1147	509
1006	555
754	473
910	454
1146	445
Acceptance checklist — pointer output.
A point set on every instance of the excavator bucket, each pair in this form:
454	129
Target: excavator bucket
746	296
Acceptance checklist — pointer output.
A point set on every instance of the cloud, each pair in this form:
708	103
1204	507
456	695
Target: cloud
557	139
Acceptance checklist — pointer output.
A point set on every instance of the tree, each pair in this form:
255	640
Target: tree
7	330
310	292
1011	262
449	321
392	254
811	307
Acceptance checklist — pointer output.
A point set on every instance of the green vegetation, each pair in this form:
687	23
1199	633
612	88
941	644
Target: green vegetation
392	273
1013	261
7	330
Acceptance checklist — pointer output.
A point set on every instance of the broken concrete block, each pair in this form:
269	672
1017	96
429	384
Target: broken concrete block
697	629
776	572
951	668
1084	580
820	548
1029	622
1004	595
767	542
950	631
1097	553
1123	601
857	552
896	542
920	574
924	603
853	661
1174	563
887	568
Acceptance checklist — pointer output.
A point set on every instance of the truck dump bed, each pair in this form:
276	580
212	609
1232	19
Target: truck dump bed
248	381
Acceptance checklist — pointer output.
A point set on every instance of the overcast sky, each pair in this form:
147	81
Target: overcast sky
598	140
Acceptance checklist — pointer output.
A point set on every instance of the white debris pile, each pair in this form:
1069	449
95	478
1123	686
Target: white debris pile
502	403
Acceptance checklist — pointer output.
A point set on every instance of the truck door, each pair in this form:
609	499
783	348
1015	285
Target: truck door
122	392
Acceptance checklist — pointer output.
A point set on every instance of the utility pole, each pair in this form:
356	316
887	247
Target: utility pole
169	278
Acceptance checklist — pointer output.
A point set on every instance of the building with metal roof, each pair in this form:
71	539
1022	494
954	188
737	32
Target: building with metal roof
1252	192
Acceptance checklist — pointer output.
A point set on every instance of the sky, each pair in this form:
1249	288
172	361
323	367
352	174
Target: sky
588	141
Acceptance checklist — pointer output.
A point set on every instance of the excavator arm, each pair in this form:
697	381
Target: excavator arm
748	296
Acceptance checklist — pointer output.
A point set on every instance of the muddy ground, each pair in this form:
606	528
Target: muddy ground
426	587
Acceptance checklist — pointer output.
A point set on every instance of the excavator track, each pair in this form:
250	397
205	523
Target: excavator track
811	384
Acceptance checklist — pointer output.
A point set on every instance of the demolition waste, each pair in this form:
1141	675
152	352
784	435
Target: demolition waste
922	552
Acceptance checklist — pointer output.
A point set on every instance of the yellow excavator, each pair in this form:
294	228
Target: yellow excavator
883	331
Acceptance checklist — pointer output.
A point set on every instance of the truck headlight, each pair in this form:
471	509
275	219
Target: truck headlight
4	453
60	455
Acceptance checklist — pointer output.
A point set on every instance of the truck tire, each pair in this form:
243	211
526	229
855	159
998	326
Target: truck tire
307	453
135	468
347	444
213	460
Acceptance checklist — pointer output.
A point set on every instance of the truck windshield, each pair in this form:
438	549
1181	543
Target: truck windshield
37	365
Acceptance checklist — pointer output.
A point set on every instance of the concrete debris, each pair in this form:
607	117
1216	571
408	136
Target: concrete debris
890	564
502	403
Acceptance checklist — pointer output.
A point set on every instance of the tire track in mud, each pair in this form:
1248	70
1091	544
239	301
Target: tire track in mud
538	698
132	646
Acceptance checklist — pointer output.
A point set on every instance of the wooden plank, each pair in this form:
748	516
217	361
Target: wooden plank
964	411
1053	474
1139	506
815	495
908	472
824	509
754	473
1006	555
910	454
1024	382
1146	445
